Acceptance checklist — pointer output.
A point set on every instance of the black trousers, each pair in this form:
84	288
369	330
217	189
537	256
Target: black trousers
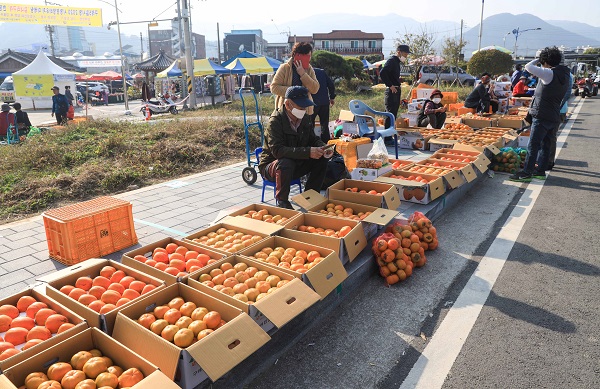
61	118
322	111
435	119
284	170
392	104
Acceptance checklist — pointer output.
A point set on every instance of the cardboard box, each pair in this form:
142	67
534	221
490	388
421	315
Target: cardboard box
89	339
411	116
210	357
490	150
452	178
389	200
479	123
323	277
349	150
415	107
480	162
512	121
91	268
523	141
128	258
314	202
277	308
453	120
520	101
287	213
436	144
239	224
464	168
411	138
347	247
413	191
365	174
79	322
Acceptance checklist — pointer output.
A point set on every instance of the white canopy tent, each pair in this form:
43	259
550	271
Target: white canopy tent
33	83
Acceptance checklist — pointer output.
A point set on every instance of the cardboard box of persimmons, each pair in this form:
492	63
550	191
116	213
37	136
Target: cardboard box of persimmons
170	259
97	289
346	237
31	322
89	359
188	334
271	296
320	268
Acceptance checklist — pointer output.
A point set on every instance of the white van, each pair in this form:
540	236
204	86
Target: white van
7	90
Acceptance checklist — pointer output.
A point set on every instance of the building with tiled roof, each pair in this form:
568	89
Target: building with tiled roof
350	43
13	61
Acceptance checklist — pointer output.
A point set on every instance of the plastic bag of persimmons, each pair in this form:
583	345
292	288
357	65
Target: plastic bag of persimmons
402	247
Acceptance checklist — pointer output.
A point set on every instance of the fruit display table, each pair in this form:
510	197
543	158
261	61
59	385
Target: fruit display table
348	150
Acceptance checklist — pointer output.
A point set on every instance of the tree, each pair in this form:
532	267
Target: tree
358	68
452	50
592	50
421	45
492	61
334	65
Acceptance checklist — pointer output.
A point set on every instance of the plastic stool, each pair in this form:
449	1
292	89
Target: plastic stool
271	183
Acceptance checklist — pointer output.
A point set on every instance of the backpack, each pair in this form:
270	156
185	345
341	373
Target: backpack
336	170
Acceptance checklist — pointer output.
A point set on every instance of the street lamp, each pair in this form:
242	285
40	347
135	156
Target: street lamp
517	32
504	40
117	10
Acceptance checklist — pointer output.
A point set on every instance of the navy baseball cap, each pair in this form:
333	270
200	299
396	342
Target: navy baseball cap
299	95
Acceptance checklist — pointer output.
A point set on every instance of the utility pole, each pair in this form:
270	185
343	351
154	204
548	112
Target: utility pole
189	63
50	30
218	45
480	25
122	61
141	47
181	46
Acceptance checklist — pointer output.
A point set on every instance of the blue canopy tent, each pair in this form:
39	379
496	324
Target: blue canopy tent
171	71
249	54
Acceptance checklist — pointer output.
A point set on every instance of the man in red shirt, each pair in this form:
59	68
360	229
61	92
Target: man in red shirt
520	90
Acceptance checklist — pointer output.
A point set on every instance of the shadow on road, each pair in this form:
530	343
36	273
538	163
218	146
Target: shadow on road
529	313
528	255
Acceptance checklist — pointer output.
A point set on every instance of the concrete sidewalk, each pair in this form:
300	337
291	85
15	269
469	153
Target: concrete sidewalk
173	208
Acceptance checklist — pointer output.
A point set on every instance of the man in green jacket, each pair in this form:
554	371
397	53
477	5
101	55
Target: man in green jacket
291	149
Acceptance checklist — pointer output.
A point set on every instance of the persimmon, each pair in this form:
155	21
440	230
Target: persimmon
86	299
84	283
384	271
388	255
42	315
34	380
148	288
110	297
65	327
393	244
136	285
107	308
382	245
130	377
6	346
24	302
75	293
212	319
101	281
161	257
57	370
66	289
24	322
171	247
72	378
97	291
80	358
117	276
53	322
108	271
31	343
96	305
401	275
392	279
126	281
116	287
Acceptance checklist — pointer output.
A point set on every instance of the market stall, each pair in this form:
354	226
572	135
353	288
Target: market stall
33	83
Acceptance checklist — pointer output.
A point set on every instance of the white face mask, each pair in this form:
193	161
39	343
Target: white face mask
299	113
437	100
402	59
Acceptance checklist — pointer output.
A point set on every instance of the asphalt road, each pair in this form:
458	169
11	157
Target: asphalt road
537	325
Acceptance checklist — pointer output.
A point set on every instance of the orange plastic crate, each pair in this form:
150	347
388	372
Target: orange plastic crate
89	229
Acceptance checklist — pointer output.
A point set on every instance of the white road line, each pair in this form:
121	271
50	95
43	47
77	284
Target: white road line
434	364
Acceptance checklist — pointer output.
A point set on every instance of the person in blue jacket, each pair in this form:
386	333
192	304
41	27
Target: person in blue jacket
323	99
60	106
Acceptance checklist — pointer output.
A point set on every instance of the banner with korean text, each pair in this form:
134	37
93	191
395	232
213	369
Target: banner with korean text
46	14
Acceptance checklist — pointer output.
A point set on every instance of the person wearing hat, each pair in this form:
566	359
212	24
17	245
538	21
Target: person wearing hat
297	71
520	90
516	76
23	122
7	119
480	97
60	106
433	111
291	149
390	75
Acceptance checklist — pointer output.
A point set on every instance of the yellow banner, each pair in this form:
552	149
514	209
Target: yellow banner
33	86
47	14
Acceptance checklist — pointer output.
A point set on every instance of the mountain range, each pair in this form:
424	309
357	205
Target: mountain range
496	31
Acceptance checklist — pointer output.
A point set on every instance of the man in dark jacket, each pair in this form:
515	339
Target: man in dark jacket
323	99
291	149
433	112
480	98
390	75
554	80
516	76
22	119
60	106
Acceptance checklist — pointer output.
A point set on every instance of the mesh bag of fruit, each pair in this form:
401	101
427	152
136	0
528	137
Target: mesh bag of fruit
394	265
424	229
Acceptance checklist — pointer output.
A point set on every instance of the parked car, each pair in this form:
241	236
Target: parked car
7	90
429	74
94	86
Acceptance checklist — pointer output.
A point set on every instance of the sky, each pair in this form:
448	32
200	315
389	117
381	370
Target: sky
238	14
